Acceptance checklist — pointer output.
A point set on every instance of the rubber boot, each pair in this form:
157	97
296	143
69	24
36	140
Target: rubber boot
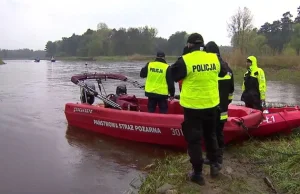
196	178
214	170
206	161
220	157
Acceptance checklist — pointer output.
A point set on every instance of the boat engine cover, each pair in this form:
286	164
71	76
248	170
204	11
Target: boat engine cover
121	90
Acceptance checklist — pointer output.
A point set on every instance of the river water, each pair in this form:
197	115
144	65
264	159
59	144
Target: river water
39	153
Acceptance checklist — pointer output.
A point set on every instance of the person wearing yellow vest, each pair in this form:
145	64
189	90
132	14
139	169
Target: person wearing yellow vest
226	89
159	83
254	85
199	98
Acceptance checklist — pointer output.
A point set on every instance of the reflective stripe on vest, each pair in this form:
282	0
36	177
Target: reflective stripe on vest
227	77
224	116
156	78
200	86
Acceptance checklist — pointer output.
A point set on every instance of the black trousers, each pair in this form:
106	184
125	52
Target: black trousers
161	102
198	124
252	100
255	105
220	137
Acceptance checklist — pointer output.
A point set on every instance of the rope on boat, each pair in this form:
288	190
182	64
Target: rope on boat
246	129
95	93
271	104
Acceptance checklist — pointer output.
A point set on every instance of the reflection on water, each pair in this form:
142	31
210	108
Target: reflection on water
41	154
123	152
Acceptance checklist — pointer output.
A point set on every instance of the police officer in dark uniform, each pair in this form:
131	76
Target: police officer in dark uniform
199	98
226	89
185	51
159	83
254	86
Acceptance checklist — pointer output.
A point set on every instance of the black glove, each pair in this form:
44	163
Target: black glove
263	103
95	93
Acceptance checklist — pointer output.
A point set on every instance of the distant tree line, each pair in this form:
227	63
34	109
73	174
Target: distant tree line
282	36
110	42
22	54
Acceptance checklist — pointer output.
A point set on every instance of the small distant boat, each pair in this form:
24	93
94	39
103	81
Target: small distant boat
37	60
52	59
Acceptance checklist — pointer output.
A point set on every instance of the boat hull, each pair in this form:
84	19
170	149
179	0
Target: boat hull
154	128
278	120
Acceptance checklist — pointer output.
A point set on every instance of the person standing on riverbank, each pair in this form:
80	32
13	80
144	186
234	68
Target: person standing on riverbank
226	89
159	83
254	85
199	98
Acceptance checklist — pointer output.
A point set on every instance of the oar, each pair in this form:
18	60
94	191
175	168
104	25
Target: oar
96	94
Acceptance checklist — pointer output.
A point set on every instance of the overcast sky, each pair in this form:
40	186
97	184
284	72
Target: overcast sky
31	23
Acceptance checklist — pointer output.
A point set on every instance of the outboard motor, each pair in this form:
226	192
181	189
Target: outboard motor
85	96
121	90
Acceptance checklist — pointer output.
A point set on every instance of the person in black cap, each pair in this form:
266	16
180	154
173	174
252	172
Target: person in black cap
199	98
159	83
226	89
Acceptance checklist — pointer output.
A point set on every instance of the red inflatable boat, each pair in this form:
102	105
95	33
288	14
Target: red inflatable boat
126	116
155	128
278	120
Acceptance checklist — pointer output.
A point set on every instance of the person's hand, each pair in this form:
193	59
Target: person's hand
263	103
171	98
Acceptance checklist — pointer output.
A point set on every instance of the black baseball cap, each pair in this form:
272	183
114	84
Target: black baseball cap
195	38
160	54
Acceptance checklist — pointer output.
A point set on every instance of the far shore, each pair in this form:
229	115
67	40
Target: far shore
277	62
277	68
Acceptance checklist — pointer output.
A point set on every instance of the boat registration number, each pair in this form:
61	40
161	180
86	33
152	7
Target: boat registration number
270	119
176	132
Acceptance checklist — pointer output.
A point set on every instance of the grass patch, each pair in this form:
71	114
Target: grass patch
243	171
285	75
279	158
1	62
173	170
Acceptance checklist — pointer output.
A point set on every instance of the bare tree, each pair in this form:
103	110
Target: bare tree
239	26
101	26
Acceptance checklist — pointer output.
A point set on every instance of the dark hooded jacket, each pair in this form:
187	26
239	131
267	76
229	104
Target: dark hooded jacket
254	85
226	83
